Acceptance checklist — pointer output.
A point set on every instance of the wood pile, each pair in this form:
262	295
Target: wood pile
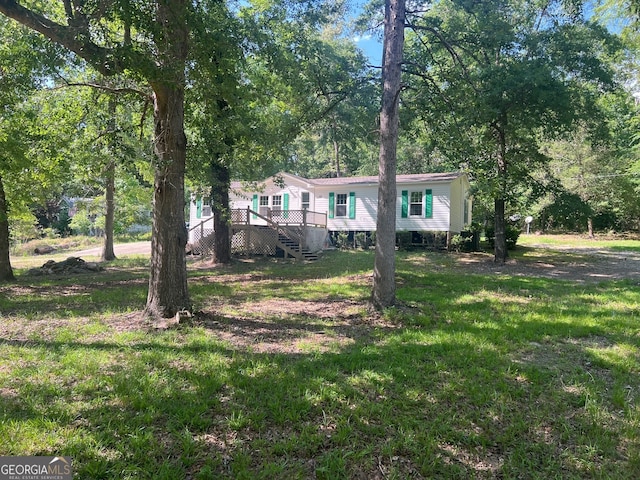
43	250
71	265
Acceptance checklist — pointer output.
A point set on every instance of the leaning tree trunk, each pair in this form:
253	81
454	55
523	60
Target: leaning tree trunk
163	66
220	184
384	285
6	272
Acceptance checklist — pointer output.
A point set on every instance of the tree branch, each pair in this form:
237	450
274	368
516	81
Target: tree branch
107	61
117	90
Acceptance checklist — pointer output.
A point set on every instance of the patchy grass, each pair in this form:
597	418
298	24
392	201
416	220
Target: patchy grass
609	242
286	374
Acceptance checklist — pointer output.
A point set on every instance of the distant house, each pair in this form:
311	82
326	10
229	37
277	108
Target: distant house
434	202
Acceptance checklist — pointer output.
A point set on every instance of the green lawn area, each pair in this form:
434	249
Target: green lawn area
285	374
582	241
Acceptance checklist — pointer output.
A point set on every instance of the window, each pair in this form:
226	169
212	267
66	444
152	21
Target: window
305	201
338	204
264	205
276	203
206	207
341	205
415	206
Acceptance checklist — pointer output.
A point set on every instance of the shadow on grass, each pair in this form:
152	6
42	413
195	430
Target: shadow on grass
496	378
183	405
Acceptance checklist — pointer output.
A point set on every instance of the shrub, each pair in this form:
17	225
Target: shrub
461	243
342	240
362	240
512	234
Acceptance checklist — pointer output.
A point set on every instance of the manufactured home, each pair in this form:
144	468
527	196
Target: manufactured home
321	207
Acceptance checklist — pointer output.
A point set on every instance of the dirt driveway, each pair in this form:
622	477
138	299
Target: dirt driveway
578	264
134	248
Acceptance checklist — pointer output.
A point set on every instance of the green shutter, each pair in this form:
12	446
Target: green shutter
285	204
332	204
428	203
352	204
255	204
199	208
405	204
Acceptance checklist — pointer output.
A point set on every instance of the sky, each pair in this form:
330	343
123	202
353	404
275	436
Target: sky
368	43
372	48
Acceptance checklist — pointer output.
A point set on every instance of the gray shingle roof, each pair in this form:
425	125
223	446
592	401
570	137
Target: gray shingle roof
415	178
373	180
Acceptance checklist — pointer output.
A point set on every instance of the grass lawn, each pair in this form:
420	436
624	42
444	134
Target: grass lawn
285	374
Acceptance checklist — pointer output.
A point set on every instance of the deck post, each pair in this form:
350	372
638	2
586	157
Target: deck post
303	236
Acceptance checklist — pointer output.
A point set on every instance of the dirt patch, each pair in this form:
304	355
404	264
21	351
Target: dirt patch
290	326
581	265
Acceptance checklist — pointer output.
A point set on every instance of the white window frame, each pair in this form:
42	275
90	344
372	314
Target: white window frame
416	204
342	209
276	203
263	205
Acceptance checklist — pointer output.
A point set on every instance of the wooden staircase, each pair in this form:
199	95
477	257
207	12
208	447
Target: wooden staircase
292	247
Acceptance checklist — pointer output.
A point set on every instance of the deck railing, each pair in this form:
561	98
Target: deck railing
290	223
298	218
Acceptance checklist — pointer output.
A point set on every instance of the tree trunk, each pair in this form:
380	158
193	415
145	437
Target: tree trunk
384	287
109	191
168	293
590	227
220	184
6	272
168	276
336	147
500	240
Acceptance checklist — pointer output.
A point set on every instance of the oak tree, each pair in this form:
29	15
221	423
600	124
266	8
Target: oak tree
384	286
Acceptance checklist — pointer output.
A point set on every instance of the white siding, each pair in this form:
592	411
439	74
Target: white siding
459	196
457	206
203	223
292	187
448	203
439	222
366	207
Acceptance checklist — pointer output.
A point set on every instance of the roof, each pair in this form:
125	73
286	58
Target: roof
371	180
415	178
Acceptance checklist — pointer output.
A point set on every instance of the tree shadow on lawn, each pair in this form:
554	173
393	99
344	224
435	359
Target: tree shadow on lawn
73	295
496	377
412	402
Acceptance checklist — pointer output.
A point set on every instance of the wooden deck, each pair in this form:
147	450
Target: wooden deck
269	233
